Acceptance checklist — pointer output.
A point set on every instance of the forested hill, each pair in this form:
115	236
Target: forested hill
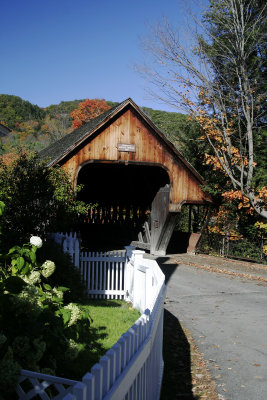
14	110
34	127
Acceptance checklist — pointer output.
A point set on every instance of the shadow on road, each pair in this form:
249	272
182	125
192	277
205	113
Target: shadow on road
166	267
177	380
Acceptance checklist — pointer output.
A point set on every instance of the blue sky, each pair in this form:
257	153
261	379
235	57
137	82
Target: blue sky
54	50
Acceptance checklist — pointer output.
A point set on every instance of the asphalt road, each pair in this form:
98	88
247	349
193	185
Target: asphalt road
227	317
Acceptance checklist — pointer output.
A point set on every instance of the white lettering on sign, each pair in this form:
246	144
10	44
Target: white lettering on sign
127	147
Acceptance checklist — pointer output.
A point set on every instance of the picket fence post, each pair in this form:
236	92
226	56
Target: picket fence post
77	254
71	246
89	382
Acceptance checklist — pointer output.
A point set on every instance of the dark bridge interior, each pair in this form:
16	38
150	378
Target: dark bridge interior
123	194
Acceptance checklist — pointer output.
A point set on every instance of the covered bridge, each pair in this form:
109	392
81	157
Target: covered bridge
137	177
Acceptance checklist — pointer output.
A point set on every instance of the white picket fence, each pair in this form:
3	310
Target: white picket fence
103	274
133	367
69	243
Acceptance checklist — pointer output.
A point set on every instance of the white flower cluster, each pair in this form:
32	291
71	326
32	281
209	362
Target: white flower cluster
32	278
75	313
36	241
73	350
58	293
48	268
31	293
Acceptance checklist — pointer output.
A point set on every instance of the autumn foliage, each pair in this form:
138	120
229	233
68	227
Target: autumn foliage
8	158
87	110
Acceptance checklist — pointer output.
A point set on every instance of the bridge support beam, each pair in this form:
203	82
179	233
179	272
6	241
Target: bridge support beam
162	222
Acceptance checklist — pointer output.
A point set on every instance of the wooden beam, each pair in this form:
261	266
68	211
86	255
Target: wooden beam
166	234
159	213
190	218
141	245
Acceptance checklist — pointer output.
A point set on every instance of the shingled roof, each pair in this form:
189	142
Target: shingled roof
56	150
61	148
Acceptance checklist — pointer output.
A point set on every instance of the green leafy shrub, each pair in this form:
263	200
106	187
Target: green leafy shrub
37	199
39	331
66	274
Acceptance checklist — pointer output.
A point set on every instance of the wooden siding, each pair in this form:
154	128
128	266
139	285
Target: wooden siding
130	128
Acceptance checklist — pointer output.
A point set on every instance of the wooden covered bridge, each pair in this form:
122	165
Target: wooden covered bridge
137	178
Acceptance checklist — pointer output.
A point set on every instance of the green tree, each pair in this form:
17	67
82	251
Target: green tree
38	199
14	110
173	125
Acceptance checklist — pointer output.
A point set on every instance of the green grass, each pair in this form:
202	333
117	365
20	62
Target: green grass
110	319
114	317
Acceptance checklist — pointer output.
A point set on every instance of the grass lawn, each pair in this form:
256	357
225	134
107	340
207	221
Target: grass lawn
110	319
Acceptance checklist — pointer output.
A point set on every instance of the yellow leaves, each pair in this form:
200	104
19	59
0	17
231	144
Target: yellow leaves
262	226
214	161
263	194
189	102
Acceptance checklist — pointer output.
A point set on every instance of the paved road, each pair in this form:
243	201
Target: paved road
227	317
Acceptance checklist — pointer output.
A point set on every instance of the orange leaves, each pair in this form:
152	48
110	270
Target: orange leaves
237	195
209	125
189	102
223	223
8	158
233	195
204	97
87	110
263	194
244	202
214	161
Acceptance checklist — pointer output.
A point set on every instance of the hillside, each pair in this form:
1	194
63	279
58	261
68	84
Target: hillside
14	110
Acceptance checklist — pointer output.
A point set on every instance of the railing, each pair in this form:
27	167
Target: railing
32	384
250	249
133	367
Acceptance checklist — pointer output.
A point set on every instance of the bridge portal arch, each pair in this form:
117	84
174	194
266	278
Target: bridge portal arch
122	197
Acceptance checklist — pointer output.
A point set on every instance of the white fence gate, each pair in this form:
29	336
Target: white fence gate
133	367
103	274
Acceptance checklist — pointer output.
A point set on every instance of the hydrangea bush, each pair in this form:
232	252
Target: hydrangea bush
38	331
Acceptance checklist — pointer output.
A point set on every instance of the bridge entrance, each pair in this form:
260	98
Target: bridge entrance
122	197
